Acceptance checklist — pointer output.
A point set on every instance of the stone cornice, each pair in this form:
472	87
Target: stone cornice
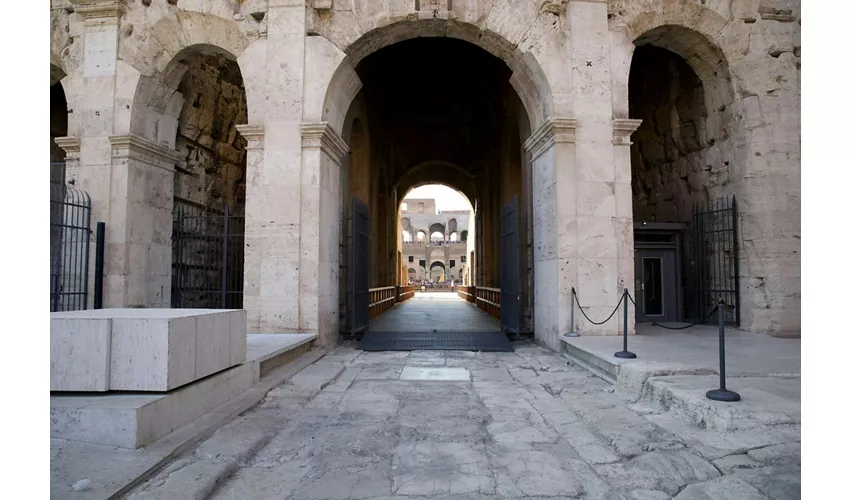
135	148
623	130
322	136
254	134
553	130
71	146
93	11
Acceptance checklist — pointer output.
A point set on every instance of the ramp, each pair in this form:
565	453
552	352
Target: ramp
436	341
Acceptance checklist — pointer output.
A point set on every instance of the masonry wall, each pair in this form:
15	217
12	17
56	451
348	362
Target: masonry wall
570	67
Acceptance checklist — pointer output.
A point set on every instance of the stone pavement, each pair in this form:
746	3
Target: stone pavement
441	311
504	425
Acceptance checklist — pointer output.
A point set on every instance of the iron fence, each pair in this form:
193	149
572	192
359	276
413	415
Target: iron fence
70	233
715	254
208	256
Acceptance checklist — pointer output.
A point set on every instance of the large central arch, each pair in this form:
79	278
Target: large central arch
342	110
528	78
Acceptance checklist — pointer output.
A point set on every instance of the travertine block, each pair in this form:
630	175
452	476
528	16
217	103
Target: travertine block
143	349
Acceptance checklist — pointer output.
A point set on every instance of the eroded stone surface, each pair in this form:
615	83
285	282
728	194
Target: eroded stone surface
486	438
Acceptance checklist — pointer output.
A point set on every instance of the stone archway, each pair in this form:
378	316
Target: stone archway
709	137
532	100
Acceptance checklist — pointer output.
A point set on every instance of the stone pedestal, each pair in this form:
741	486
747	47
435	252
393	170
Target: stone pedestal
142	349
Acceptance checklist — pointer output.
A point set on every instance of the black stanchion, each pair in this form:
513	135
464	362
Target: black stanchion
722	394
625	352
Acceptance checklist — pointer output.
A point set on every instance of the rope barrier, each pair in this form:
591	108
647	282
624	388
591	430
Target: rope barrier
585	315
638	310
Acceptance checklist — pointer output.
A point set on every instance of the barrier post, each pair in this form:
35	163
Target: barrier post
572	332
722	394
625	352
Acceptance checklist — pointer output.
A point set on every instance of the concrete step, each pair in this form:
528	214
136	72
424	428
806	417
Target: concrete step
132	420
678	388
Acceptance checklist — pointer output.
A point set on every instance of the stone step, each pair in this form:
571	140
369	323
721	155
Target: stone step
133	420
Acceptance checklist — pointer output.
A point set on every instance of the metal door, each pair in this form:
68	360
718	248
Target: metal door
509	310
359	267
655	280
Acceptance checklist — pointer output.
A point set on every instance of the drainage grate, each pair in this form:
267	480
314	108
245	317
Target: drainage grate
436	341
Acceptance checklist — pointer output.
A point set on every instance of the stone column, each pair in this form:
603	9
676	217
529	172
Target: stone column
129	179
138	229
321	156
553	160
624	221
251	300
603	205
273	186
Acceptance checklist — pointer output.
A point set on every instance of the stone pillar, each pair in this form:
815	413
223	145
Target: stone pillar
138	229
273	187
603	202
129	179
321	155
553	160
251	300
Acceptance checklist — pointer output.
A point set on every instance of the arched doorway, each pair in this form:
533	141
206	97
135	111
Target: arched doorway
679	86
465	130
208	242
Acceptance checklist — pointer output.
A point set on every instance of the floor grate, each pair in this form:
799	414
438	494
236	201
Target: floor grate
437	341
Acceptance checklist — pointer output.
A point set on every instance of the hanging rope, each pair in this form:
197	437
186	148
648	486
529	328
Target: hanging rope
585	315
671	327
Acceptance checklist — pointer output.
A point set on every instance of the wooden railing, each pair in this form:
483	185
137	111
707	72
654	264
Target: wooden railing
488	300
405	292
467	293
381	300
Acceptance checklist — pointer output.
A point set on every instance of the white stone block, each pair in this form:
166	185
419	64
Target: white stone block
79	354
143	349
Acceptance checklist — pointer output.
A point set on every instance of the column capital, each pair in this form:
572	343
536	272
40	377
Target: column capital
254	134
100	11
136	148
322	136
623	130
71	146
553	130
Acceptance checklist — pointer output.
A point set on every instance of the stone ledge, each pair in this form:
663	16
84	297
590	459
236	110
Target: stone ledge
553	130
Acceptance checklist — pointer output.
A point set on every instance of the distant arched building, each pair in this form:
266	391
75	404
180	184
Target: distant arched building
439	250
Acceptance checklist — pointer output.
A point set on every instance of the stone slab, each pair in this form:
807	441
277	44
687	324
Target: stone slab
143	349
436	374
113	471
134	420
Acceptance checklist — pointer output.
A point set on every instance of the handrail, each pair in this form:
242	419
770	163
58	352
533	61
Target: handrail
498	290
381	288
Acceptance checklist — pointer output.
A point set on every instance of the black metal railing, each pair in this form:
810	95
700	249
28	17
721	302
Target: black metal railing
715	255
208	257
70	234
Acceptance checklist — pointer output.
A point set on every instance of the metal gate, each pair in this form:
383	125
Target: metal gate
509	310
715	255
70	233
208	257
359	268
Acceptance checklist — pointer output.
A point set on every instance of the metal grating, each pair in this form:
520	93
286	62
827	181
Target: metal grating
436	341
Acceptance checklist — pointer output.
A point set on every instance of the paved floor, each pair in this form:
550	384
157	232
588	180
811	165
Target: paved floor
441	311
465	425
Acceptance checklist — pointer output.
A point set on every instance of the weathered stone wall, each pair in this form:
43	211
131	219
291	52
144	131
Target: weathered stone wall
214	103
675	160
569	65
